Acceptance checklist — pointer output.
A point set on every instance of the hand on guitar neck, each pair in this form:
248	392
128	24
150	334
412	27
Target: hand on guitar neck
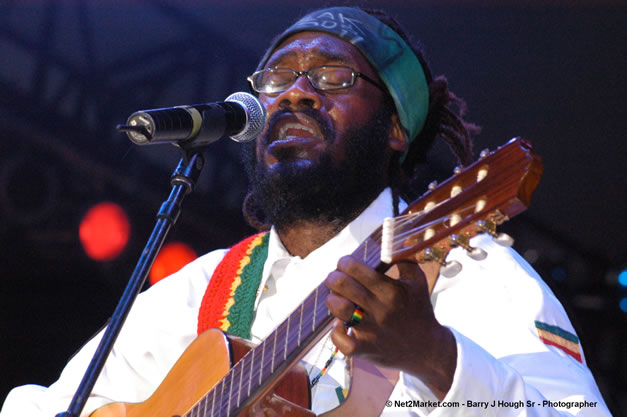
398	329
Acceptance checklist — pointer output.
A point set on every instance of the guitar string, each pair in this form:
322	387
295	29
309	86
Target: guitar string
402	220
397	238
398	225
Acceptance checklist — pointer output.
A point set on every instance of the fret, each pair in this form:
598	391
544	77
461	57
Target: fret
376	248
307	316
241	375
213	402
221	398
204	406
292	342
370	250
323	313
273	352
300	322
313	322
250	374
195	410
228	407
287	336
263	353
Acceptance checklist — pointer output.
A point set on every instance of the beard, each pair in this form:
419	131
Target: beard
328	191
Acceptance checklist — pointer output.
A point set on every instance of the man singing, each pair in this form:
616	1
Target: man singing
352	111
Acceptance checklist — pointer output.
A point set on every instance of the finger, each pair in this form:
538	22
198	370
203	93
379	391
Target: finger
340	307
345	343
372	280
348	287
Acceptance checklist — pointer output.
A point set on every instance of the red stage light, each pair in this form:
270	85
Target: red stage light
104	231
172	257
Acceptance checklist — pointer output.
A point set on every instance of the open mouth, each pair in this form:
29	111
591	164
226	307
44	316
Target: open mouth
294	136
296	126
296	130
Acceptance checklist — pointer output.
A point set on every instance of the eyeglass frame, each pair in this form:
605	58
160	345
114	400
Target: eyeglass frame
355	75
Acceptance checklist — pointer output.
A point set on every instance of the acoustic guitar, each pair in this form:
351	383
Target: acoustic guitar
223	376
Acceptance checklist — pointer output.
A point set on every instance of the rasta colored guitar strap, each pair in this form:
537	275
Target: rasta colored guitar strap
229	300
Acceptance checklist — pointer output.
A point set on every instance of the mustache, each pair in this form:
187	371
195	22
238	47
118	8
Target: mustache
326	126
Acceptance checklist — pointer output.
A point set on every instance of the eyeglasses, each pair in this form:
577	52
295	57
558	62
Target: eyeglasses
325	78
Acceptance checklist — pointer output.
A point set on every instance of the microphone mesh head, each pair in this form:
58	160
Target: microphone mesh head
255	116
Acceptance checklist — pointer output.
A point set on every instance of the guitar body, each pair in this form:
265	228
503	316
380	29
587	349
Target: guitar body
203	364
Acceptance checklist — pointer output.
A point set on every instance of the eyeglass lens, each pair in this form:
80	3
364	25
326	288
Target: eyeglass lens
322	78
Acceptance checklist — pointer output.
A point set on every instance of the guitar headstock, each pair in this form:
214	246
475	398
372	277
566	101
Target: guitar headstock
475	200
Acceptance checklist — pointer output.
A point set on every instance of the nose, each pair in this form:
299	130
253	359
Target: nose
300	95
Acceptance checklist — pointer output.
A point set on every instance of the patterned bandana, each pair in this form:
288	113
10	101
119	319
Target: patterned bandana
396	64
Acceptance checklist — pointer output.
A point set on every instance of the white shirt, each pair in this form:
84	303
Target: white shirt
491	306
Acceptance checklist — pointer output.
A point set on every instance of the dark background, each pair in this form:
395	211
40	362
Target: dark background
553	72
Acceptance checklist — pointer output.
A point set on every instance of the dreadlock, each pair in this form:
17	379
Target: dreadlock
444	120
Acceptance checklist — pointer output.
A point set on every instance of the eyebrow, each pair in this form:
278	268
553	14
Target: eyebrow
292	54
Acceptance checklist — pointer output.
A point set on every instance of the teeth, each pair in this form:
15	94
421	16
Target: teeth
286	127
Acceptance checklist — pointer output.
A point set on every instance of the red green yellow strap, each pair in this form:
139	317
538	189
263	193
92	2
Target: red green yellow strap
228	303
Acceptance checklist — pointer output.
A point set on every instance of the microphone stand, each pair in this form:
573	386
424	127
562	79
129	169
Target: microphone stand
183	180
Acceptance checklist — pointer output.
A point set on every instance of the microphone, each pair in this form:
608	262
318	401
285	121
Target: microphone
241	117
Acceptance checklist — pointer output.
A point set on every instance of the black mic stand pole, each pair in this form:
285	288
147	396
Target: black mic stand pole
183	180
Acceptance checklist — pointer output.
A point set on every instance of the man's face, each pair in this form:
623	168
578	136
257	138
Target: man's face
305	123
323	155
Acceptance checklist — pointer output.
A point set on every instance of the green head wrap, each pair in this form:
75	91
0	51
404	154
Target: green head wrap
397	66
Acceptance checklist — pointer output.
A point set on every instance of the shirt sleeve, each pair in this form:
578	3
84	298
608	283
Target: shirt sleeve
160	326
517	352
486	386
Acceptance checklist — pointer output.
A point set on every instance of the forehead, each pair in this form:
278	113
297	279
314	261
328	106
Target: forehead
315	48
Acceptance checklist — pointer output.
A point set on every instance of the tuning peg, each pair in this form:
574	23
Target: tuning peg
477	254
484	153
448	269
457	169
489	227
503	239
432	185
